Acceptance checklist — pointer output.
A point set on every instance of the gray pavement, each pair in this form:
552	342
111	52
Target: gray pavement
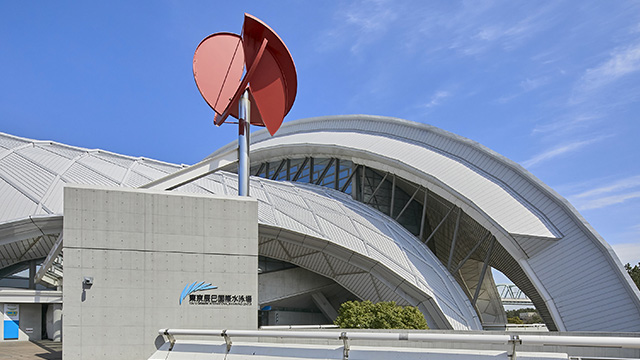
30	350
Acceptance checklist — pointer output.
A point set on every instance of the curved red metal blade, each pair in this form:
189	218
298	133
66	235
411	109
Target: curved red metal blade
218	64
274	83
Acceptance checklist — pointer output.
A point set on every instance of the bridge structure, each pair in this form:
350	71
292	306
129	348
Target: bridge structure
510	294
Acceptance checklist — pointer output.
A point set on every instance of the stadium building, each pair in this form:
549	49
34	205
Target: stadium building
348	207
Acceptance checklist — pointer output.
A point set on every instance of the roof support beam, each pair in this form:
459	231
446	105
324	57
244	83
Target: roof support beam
350	179
376	189
336	175
408	202
275	174
288	169
300	169
424	213
475	247
324	305
51	257
440	224
324	172
483	272
393	196
259	170
194	172
362	177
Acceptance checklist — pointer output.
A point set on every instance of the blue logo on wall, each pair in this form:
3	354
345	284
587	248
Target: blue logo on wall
191	288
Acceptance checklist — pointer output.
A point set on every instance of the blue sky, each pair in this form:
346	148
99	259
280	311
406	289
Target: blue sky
552	85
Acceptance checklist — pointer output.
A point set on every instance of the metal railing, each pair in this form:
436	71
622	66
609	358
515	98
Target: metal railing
510	341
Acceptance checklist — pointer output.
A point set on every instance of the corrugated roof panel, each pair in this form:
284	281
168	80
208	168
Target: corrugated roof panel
301	214
11	142
120	160
274	250
342	267
387	293
151	170
361	284
430	276
80	174
63	150
54	200
20	247
285	220
317	262
457	322
135	179
47	159
295	250
163	167
26	175
392	262
339	220
192	188
390	249
322	201
217	188
284	196
13	250
338	235
107	169
14	204
266	214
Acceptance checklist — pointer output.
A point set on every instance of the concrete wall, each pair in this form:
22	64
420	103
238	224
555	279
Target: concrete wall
142	248
279	317
30	318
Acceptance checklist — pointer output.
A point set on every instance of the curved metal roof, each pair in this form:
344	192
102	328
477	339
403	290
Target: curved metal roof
316	228
570	270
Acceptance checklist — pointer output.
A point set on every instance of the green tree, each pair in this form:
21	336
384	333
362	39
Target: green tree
514	320
382	315
535	319
634	272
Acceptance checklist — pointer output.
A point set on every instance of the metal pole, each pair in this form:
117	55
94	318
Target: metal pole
243	144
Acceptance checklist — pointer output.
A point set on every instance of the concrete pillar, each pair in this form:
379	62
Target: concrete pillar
32	274
54	322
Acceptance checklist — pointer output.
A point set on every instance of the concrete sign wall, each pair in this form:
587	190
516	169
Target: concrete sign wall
138	260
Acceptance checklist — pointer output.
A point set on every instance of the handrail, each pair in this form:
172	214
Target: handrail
511	341
281	327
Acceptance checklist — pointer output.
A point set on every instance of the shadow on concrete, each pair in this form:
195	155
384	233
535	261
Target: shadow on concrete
53	349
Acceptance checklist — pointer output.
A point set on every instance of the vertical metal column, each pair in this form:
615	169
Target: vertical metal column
453	241
243	144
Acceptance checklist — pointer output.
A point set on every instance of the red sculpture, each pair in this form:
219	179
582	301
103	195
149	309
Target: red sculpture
270	76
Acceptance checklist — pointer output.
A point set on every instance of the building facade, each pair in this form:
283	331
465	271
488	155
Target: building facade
358	207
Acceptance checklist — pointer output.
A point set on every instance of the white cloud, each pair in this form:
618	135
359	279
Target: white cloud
621	62
526	85
559	150
601	202
437	98
532	84
630	182
473	36
360	23
628	253
569	123
613	193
